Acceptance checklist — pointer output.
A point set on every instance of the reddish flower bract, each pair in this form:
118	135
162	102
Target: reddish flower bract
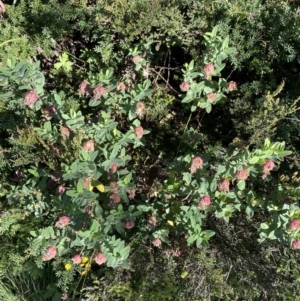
184	86
211	96
223	185
204	202
197	163
100	258
76	259
50	254
136	59
138	131
156	242
295	225
30	99
129	224
62	222
89	145
296	244
231	86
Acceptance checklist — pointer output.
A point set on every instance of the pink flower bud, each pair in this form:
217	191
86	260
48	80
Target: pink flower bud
76	259
62	222
138	131
114	198
113	168
204	202
231	86
184	86
223	185
83	89
295	225
49	112
267	167
197	163
60	190
98	92
156	242
86	183
129	224
99	258
211	96
50	254
296	244
136	59
121	87
89	145
65	132
139	109
242	174
30	99
208	70
152	221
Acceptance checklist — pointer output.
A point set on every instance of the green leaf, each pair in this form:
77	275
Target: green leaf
187	178
253	160
94	227
241	184
249	212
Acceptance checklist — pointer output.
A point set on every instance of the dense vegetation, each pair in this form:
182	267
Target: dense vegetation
149	150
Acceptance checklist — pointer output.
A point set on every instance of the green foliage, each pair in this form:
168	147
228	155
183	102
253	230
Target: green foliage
126	160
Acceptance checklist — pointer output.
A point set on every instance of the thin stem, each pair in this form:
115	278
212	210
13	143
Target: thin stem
183	134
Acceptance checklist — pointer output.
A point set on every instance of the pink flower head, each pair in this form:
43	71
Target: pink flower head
208	70
223	185
114	198
84	89
204	202
231	86
184	86
138	131
62	222
89	145
197	163
113	168
136	59
211	96
121	87
30	99
152	221
65	132
242	174
2	8
296	244
98	92
99	258
129	224
76	259
295	225
114	186
50	254
267	167
140	106
60	190
49	112
86	182
156	242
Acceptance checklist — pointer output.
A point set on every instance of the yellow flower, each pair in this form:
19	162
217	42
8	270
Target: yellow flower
171	223
87	265
68	266
100	187
84	259
83	272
